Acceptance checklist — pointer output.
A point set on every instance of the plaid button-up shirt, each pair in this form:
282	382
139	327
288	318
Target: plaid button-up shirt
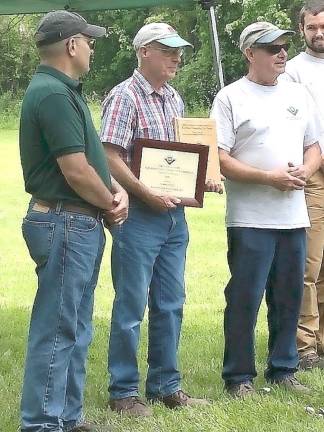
134	109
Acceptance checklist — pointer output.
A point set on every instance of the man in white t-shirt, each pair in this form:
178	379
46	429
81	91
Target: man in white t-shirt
308	68
268	149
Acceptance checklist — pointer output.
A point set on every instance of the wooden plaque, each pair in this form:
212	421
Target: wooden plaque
172	168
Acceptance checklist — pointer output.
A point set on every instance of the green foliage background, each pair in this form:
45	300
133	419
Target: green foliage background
115	59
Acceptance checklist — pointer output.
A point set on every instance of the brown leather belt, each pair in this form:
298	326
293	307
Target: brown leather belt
40	205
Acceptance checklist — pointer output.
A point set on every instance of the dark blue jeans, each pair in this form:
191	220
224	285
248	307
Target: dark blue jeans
148	260
271	261
67	249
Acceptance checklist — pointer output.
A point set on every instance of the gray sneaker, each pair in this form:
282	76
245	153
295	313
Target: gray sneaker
241	390
311	361
290	382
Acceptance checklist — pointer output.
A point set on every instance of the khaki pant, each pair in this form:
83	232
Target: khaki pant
310	334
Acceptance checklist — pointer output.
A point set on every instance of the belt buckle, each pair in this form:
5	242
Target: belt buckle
40	208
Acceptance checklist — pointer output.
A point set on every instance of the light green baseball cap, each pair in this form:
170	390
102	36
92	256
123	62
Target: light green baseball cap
261	32
159	32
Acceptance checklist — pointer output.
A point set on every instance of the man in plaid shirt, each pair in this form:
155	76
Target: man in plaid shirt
149	249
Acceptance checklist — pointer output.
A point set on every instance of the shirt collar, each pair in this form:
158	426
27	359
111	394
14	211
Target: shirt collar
166	90
73	84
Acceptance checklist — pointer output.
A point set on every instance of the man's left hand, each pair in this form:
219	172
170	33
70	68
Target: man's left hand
298	171
212	186
119	213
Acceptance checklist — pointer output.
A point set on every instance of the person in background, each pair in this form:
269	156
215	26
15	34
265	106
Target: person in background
308	68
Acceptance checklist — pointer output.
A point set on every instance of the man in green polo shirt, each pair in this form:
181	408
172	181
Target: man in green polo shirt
65	171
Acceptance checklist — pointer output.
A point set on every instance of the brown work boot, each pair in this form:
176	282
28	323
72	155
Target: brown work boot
311	361
130	406
240	390
290	382
180	399
84	427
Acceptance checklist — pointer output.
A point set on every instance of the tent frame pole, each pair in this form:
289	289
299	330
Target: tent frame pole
216	48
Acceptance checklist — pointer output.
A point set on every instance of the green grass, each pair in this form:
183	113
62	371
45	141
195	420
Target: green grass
202	335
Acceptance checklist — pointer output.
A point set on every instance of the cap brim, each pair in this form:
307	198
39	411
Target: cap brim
272	36
174	42
94	31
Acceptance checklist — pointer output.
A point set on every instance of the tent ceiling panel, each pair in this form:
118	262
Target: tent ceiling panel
37	6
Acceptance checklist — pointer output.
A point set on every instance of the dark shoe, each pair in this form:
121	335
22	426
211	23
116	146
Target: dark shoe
311	361
241	390
130	406
289	382
180	399
84	427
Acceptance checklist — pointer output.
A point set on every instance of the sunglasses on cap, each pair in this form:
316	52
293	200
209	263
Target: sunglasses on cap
272	49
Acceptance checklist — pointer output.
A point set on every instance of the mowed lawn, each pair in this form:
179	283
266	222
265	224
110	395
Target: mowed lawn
201	342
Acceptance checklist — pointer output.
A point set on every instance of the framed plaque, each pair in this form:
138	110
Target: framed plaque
172	168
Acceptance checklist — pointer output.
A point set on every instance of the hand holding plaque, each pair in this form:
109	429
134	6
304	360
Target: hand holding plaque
172	168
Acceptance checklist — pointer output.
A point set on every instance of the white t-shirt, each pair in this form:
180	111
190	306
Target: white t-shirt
309	71
265	127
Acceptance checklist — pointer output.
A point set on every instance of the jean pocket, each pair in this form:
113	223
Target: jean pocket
38	236
80	223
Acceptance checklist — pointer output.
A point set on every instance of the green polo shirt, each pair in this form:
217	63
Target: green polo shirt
56	121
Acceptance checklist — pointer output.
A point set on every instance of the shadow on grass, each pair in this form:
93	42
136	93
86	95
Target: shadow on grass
200	362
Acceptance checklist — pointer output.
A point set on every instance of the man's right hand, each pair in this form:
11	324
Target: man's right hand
281	179
119	213
162	203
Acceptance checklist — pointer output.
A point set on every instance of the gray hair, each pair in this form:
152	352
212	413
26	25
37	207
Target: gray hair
139	58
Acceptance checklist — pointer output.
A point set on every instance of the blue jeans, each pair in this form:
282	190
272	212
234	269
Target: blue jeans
67	249
271	261
148	261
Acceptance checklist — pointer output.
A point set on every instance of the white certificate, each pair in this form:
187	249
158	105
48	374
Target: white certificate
169	172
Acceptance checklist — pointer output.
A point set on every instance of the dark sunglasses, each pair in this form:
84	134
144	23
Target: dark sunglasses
272	49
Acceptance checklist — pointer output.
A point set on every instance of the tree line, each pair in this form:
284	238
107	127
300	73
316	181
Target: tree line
114	58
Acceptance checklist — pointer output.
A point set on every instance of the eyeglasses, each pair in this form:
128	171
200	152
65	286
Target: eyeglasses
91	42
272	49
169	52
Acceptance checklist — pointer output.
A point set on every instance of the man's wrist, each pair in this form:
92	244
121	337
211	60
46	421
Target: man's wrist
115	186
267	178
308	172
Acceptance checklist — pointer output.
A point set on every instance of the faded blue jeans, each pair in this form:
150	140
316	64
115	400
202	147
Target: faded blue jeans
148	261
67	249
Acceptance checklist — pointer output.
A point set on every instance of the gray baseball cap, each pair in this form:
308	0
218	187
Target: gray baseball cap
159	32
261	32
59	25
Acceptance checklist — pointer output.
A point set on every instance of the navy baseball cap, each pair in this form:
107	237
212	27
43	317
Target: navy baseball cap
59	25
